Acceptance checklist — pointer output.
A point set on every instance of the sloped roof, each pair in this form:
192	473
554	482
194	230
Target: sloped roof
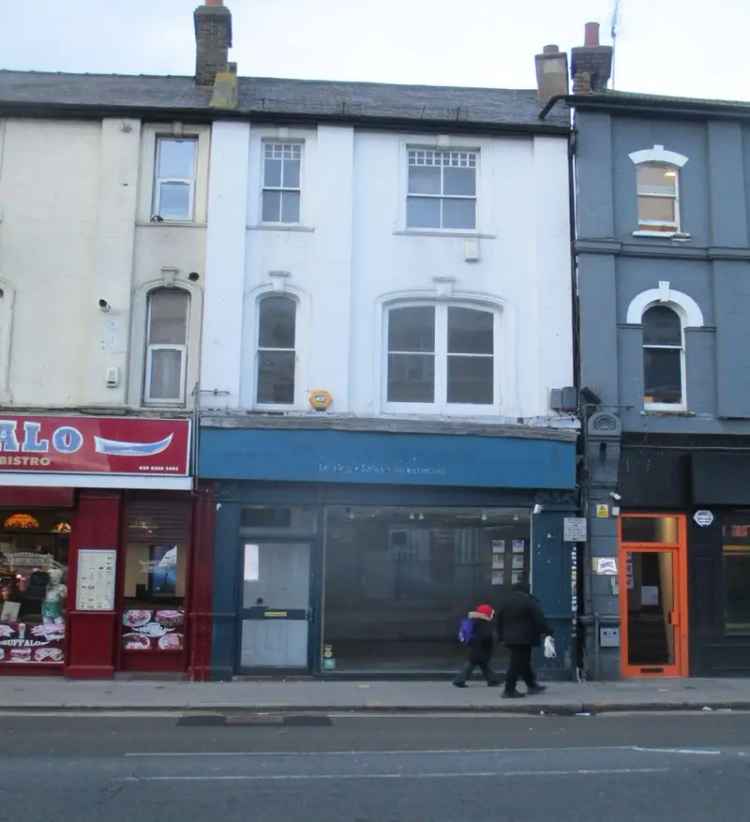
264	97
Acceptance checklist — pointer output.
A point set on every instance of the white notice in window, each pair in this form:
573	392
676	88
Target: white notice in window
95	584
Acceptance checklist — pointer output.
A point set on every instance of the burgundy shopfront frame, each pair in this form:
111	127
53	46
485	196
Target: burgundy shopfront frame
150	464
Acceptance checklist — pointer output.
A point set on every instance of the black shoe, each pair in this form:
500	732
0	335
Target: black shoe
460	684
493	683
512	695
536	689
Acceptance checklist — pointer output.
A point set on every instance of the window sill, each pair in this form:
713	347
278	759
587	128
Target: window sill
170	224
307	229
666	411
435	232
667	235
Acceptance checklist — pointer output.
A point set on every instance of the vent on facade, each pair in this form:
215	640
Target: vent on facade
154	522
564	399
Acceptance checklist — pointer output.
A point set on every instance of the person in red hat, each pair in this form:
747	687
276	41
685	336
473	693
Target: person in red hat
477	634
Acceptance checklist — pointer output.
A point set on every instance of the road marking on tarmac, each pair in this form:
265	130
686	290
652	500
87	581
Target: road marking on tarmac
339	776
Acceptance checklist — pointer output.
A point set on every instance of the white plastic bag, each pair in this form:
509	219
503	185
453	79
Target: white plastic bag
549	647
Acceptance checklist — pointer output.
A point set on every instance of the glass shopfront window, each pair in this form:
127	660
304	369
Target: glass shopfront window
153	613
399	580
736	555
33	586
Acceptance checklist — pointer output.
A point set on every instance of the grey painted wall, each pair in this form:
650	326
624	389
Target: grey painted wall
712	266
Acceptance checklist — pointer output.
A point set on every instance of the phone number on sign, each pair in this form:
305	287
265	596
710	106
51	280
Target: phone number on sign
175	469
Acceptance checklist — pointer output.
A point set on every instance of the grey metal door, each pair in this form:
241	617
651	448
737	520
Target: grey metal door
274	604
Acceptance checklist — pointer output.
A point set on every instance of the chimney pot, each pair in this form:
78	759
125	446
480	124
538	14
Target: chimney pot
591	38
214	2
551	49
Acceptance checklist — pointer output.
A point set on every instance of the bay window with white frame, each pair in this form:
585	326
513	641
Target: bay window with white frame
174	179
442	189
441	358
166	346
663	359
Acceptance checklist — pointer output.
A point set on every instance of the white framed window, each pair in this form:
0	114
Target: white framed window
441	358
281	182
276	353
658	197
174	179
442	189
663	359
658	190
166	346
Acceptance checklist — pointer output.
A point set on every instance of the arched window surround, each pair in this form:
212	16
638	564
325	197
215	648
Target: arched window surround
501	355
690	316
251	330
656	196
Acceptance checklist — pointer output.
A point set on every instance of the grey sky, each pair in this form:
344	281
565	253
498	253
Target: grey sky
664	46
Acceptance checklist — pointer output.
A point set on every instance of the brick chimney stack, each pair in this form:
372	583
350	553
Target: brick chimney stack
591	64
551	73
213	38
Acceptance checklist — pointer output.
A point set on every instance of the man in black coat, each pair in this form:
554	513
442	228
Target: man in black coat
521	626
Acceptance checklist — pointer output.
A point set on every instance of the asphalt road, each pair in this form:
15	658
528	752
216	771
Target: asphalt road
436	768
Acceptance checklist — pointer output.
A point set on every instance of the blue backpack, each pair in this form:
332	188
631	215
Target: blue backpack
466	631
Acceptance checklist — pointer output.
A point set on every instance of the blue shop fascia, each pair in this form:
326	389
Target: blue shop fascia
348	547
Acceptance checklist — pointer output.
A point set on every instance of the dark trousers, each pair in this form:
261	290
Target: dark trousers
468	669
519	667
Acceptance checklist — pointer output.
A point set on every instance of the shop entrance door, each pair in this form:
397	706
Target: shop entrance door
274	608
653	595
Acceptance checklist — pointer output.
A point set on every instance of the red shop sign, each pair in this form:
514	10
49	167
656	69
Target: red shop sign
94	445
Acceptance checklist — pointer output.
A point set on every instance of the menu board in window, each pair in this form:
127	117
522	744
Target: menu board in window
95	585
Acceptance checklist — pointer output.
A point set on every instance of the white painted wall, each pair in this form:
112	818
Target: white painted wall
73	230
351	254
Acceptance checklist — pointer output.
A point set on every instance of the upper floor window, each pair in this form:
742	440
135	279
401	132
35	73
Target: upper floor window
658	197
658	189
281	182
441	358
174	178
442	190
663	359
276	352
166	346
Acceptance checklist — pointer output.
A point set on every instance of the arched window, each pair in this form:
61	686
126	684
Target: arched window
276	350
441	357
663	359
166	346
658	188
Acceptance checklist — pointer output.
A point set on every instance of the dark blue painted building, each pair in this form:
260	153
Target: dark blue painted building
346	547
663	256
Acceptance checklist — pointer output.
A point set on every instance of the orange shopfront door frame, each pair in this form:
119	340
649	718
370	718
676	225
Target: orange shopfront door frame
679	617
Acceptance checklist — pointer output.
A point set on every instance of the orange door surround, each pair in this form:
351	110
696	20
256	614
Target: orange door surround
653	616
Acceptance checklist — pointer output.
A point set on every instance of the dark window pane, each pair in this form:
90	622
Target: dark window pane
174	201
459	214
424	180
459	181
176	158
650	529
411	378
470	331
291	173
470	379
661	326
277	320
271	206
290	207
411	329
168	316
422	212
276	376
166	374
272	173
662	375
259	516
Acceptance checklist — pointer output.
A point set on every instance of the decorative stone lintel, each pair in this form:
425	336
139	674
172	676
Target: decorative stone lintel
444	285
279	278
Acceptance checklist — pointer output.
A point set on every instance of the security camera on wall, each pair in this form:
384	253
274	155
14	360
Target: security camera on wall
104	305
